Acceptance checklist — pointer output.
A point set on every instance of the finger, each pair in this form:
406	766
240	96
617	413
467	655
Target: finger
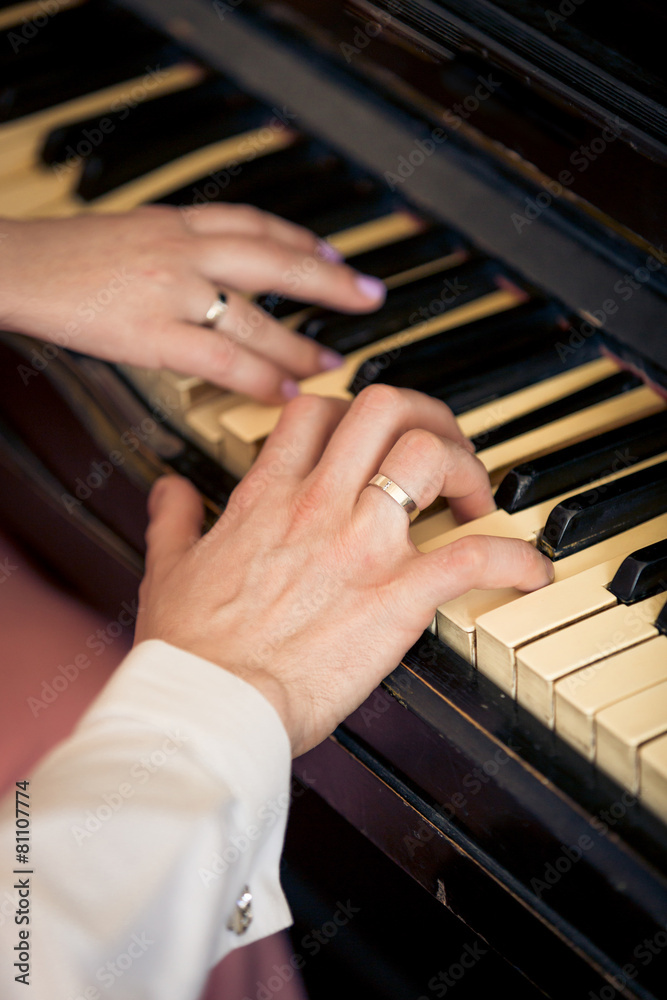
244	220
247	324
210	354
426	466
301	435
176	514
258	266
477	562
376	420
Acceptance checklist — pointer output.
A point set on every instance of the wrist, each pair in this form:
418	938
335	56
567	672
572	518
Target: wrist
276	694
267	684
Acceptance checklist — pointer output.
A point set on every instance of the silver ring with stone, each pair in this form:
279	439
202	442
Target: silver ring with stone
216	311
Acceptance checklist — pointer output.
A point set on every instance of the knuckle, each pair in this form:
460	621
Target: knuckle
469	556
447	410
307	503
374	399
422	446
307	408
455	460
252	216
307	236
223	356
248	491
164	268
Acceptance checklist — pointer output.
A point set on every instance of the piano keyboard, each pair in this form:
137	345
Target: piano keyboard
580	438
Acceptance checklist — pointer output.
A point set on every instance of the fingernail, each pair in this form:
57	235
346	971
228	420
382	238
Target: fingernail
289	388
467	443
330	359
327	252
372	288
550	568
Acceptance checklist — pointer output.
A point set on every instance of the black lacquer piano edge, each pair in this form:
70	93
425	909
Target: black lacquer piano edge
452	685
550	950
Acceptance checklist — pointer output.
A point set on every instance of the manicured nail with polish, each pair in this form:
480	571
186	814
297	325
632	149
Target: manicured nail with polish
289	388
327	252
330	359
372	288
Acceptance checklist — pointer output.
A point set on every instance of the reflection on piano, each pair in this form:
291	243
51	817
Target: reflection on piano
519	773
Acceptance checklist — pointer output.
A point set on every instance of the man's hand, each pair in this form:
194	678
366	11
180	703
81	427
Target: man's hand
135	288
308	586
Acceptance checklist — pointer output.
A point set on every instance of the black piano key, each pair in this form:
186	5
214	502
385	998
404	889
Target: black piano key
365	201
25	46
599	513
477	389
264	180
65	59
404	255
641	574
581	463
598	392
307	184
404	307
467	359
142	123
386	261
339	193
156	136
661	620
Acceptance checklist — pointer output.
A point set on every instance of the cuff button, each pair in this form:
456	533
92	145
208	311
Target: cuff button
241	918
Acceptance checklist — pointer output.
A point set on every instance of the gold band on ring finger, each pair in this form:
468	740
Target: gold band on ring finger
397	494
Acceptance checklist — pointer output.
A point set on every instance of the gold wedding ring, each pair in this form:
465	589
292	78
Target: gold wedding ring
396	493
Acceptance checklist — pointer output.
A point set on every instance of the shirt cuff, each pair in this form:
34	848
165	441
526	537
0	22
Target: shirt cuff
236	736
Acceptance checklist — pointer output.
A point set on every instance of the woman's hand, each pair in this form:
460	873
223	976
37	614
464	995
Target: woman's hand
308	586
136	288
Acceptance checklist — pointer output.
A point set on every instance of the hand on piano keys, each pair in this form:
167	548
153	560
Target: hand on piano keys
323	591
135	288
455	325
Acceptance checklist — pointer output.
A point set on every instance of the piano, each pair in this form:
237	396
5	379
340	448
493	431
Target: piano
496	813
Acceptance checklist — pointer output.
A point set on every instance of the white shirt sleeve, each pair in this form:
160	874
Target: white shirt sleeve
146	825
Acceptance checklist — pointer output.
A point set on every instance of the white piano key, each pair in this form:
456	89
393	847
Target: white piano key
653	776
624	727
457	619
581	695
501	634
541	664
